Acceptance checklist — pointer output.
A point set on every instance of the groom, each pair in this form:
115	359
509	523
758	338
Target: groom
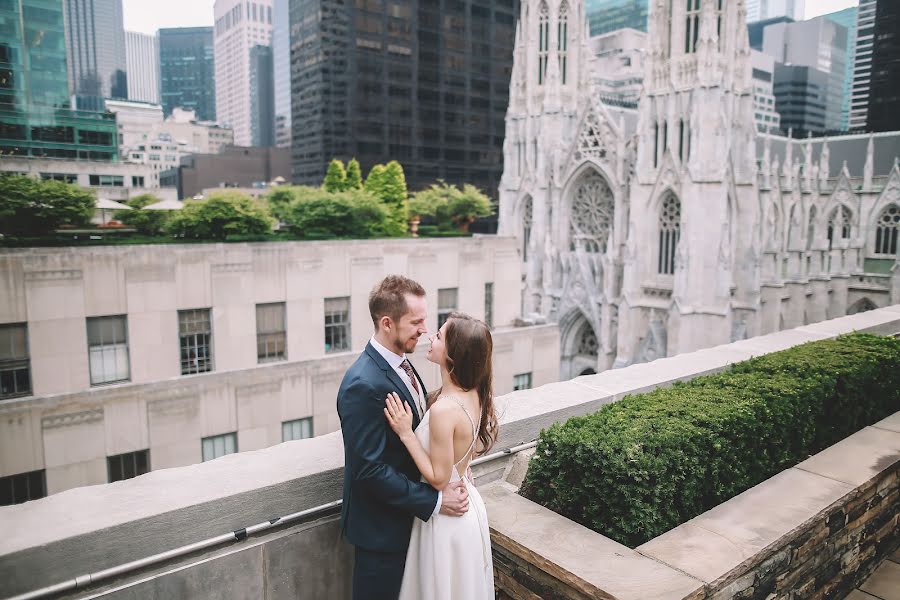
382	491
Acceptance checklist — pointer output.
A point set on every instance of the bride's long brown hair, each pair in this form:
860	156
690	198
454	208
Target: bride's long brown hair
469	352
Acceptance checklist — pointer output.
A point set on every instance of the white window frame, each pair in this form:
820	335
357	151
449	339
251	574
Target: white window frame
217	446
108	349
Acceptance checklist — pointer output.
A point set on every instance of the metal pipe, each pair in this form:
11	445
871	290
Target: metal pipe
234	536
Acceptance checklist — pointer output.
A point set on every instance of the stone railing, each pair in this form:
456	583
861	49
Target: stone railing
79	533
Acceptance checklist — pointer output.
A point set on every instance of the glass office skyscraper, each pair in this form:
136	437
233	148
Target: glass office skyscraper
35	119
425	82
608	15
96	50
187	70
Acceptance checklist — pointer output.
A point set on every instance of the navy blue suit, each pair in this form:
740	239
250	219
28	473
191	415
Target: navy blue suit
382	491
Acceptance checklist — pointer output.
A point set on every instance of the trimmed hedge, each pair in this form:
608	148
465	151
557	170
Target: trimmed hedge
641	466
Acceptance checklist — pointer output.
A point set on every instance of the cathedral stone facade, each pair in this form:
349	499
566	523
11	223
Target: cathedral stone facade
651	232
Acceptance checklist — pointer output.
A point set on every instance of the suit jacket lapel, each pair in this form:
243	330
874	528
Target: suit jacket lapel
395	380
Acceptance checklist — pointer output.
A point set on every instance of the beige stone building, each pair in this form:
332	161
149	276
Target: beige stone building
119	360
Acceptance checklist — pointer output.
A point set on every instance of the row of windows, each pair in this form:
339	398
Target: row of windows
23	487
107	340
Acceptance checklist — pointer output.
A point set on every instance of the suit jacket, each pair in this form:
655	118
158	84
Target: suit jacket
382	491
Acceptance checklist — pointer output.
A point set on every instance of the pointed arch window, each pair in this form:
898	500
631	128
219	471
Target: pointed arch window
593	207
543	42
587	341
811	227
656	144
719	23
692	26
669	233
839	222
887	230
527	218
562	43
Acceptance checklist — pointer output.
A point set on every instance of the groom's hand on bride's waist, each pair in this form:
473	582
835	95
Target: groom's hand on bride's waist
455	499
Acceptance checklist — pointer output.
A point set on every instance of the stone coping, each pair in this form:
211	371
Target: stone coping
581	558
711	546
99	526
706	551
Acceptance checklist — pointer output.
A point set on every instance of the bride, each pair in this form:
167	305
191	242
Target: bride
450	557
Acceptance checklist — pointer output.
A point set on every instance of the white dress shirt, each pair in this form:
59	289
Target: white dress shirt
395	360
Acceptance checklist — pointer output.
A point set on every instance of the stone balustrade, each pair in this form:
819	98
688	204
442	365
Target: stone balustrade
85	530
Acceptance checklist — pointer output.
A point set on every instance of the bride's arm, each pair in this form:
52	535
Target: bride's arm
437	467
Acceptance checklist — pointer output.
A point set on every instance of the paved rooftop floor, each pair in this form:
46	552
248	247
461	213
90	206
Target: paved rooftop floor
883	584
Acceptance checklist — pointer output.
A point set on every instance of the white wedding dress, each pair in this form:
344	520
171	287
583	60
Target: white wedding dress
449	558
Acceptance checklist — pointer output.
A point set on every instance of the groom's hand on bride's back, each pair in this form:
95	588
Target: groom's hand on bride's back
454	499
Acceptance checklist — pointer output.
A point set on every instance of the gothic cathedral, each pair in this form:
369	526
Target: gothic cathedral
672	226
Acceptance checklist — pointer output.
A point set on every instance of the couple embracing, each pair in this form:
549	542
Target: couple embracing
410	508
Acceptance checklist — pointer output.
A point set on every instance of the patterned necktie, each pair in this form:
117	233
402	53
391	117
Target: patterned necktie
407	367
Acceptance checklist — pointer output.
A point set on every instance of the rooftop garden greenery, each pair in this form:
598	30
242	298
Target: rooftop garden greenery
51	213
642	466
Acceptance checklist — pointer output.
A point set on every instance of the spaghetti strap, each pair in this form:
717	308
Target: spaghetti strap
474	431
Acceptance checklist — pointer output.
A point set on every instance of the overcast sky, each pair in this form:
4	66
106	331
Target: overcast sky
149	15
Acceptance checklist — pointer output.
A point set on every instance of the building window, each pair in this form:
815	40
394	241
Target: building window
219	445
887	230
655	145
128	465
543	42
489	304
522	382
447	302
692	26
841	220
195	335
23	487
669	232
562	45
337	324
811	227
15	366
108	349
270	332
106	180
299	429
137	181
527	218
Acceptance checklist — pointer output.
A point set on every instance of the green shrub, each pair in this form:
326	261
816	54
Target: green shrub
335	177
146	222
30	207
317	214
451	206
641	466
220	215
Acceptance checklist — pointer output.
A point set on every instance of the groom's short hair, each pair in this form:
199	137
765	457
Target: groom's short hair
388	297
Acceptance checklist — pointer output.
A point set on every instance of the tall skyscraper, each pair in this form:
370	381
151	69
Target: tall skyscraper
884	100
755	10
142	63
35	119
96	50
281	65
608	15
239	26
819	44
847	18
862	66
262	97
422	83
760	10
187	71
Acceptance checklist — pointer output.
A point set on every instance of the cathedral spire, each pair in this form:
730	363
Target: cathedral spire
823	162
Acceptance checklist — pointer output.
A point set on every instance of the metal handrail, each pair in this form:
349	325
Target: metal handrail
233	536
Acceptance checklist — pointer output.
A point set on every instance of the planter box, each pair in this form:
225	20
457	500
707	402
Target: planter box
816	529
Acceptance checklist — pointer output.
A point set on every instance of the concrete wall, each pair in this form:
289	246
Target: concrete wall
69	428
87	529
